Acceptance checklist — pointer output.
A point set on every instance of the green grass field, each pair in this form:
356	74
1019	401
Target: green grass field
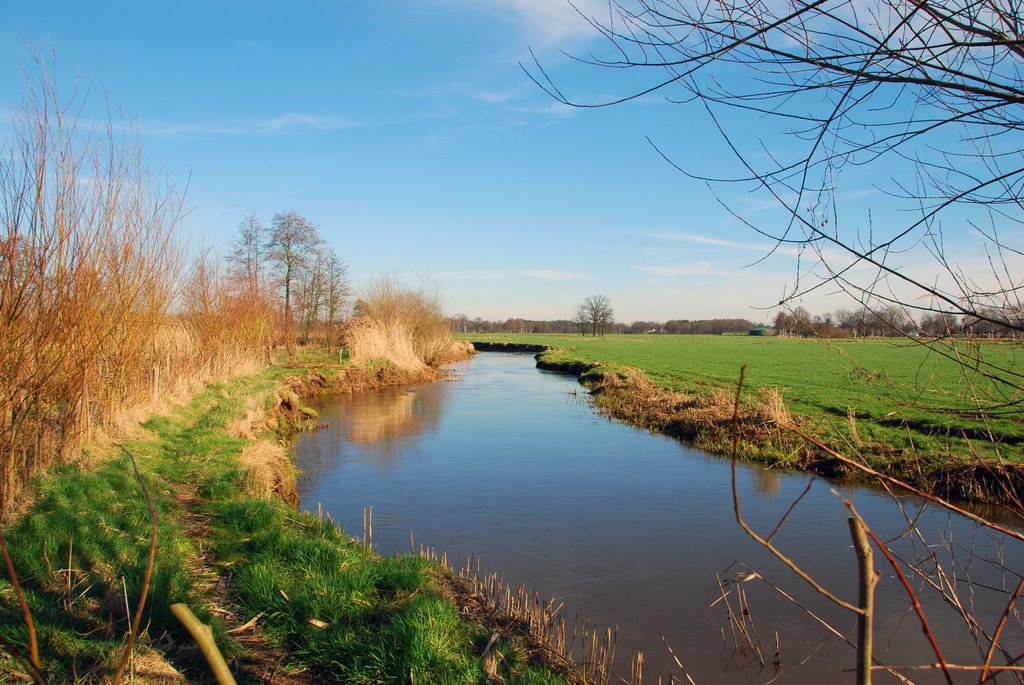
903	394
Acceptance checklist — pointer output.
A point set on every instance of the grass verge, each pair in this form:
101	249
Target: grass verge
270	580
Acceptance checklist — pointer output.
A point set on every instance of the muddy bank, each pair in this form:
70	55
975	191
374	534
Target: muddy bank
508	347
705	420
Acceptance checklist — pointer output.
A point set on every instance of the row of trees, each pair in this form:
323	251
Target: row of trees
460	323
290	263
887	321
842	323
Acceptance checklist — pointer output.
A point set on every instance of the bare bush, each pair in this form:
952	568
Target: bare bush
398	310
90	264
370	339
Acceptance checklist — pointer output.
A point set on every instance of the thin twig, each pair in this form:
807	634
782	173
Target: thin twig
782	521
910	592
147	576
907	486
26	613
999	629
757	538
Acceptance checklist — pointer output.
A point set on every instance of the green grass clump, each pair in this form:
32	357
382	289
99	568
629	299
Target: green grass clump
335	603
81	553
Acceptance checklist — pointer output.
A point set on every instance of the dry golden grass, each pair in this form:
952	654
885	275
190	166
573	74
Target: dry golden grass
457	350
414	314
706	417
269	471
150	667
370	339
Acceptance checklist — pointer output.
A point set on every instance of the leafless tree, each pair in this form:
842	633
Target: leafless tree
580	318
245	260
594	315
920	95
338	293
290	242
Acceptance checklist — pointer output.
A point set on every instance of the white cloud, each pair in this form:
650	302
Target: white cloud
482	274
704	240
546	22
762	248
561	276
676	270
288	122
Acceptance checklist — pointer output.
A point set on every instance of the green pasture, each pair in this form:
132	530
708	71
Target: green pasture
905	394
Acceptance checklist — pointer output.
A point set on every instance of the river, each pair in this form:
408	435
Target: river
509	463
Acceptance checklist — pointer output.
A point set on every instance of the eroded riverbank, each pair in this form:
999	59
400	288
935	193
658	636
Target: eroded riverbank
772	434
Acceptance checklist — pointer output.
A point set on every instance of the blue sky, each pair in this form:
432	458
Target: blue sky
407	130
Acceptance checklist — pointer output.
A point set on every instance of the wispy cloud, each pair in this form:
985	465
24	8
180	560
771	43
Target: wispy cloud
288	122
762	248
689	269
547	22
480	274
495	274
560	276
704	240
518	100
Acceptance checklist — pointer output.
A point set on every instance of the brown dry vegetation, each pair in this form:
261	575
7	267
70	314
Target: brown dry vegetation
405	326
92	323
705	418
769	433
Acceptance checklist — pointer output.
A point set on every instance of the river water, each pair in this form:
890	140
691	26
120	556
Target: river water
510	463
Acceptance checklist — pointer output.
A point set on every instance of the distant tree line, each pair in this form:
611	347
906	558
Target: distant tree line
888	321
798	322
462	324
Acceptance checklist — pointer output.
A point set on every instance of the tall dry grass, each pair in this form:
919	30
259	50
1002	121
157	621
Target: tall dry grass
91	262
399	323
369	339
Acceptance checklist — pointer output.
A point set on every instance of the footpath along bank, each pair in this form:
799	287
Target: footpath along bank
290	597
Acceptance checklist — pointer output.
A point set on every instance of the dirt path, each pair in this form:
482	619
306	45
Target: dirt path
261	661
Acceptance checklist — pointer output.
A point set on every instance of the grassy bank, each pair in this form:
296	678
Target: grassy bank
896	405
291	598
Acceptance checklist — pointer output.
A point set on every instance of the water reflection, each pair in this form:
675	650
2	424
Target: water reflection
767	482
385	427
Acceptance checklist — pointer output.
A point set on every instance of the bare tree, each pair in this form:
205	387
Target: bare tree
245	260
580	318
594	315
290	242
922	96
338	293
